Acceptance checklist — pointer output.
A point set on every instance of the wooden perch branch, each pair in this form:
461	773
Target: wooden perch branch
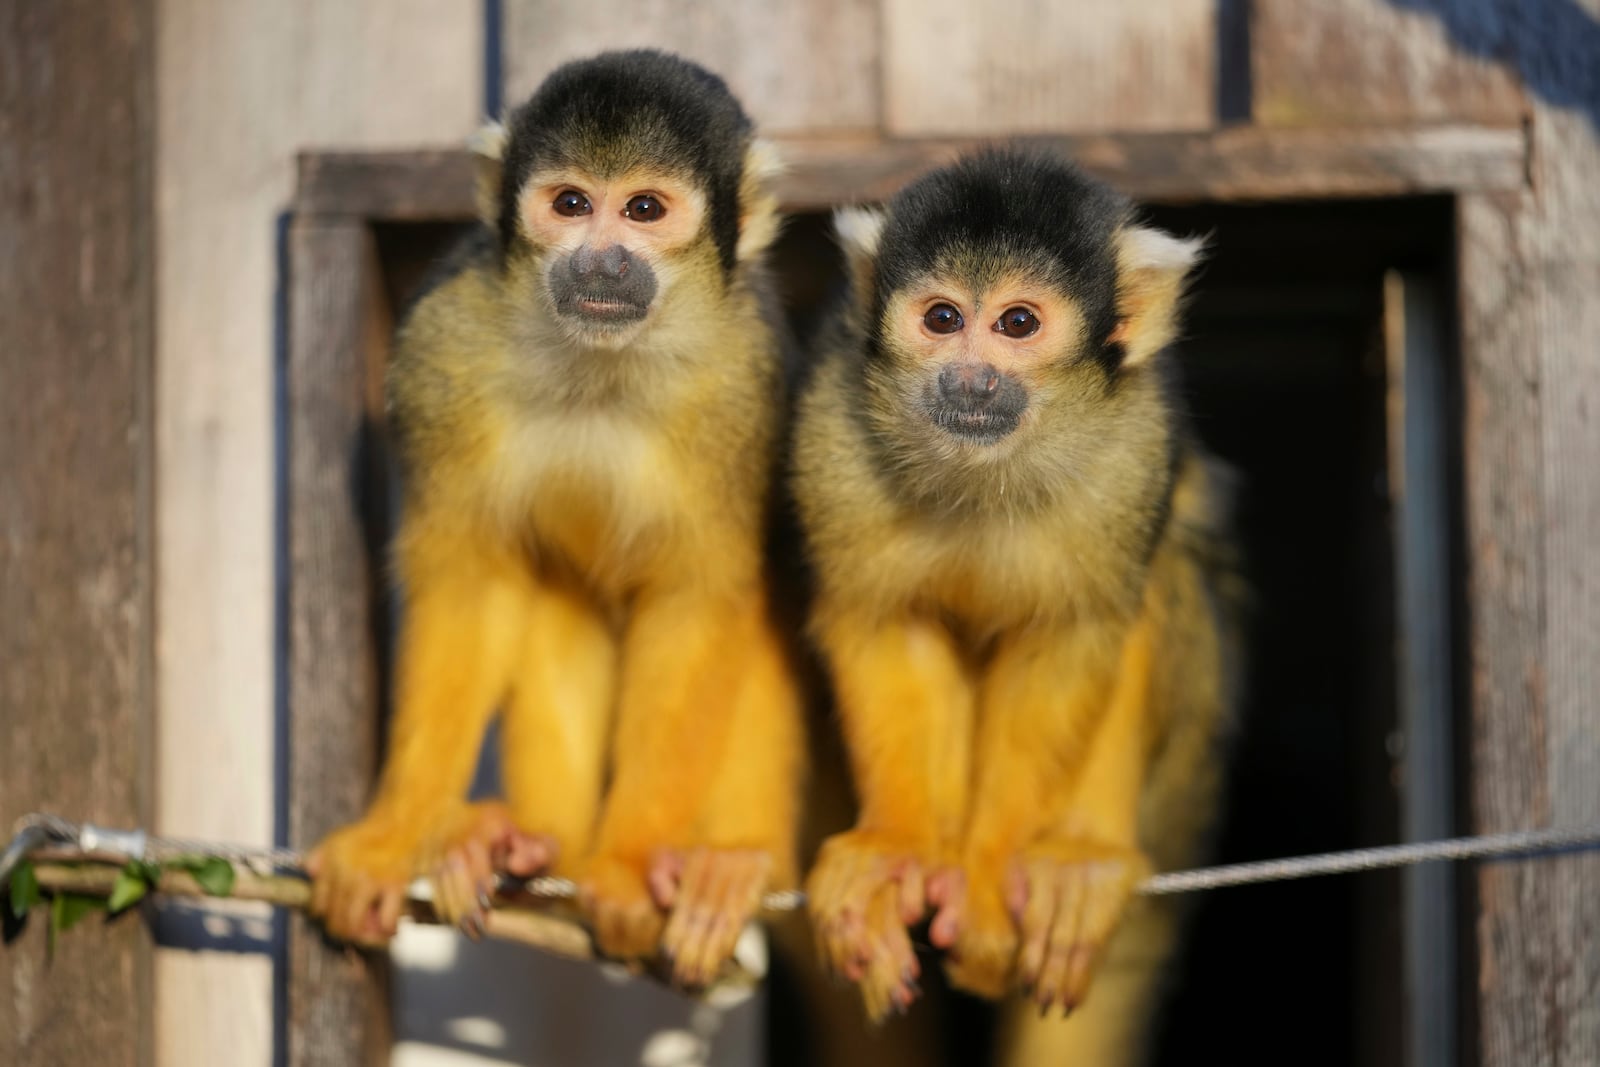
551	926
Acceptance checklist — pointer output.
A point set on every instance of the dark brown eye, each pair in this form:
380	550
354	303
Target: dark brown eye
1017	322
942	318
644	208
570	202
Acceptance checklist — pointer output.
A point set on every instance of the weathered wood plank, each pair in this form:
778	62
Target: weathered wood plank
795	67
338	999
77	127
953	67
1348	62
1530	274
1232	164
423	186
242	86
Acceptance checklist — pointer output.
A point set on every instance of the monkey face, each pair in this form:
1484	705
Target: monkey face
970	355
607	246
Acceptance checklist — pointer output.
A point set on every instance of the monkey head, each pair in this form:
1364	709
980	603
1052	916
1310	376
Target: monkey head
624	177
1004	303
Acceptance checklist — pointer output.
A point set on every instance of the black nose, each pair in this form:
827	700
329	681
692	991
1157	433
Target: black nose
968	383
610	262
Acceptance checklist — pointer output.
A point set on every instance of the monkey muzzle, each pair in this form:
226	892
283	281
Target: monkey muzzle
976	402
603	288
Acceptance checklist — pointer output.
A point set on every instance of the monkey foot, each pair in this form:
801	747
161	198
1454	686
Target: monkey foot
622	913
972	922
1068	898
359	876
465	852
865	890
710	894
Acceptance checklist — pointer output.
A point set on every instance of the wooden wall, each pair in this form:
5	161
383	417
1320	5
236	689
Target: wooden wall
77	124
217	98
243	86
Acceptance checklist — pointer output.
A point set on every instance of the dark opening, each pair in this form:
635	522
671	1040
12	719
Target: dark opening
1285	376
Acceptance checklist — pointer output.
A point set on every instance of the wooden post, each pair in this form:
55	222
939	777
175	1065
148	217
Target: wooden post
338	1004
76	642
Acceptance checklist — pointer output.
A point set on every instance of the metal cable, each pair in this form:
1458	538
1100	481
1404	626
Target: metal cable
136	844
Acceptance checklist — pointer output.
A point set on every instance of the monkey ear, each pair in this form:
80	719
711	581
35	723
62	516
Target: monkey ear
488	145
759	221
1151	268
860	231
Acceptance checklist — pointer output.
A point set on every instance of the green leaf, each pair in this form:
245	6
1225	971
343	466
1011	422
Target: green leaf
68	908
25	893
129	888
146	871
215	876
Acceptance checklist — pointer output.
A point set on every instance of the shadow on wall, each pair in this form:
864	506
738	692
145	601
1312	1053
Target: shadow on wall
1553	45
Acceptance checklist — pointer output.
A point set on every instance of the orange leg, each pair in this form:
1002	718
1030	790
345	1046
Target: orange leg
905	702
691	667
466	611
1060	762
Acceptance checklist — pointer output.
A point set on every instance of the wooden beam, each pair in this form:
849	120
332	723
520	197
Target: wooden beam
339	327
1504	516
76	496
1239	163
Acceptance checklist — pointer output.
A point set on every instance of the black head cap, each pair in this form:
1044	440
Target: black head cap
1008	209
619	110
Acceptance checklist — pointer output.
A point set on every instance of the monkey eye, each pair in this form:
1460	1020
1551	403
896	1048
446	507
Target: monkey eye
1017	322
942	318
571	203
644	208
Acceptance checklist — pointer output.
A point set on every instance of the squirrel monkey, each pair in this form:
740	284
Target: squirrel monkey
588	409
1022	592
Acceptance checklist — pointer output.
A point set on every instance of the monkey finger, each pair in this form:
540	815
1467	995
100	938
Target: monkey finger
741	897
688	874
708	904
913	893
1016	889
948	892
524	855
352	913
664	876
390	904
1039	914
1064	931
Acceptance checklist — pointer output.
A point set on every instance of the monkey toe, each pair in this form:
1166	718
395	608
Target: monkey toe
622	913
1073	897
359	879
717	891
865	889
982	959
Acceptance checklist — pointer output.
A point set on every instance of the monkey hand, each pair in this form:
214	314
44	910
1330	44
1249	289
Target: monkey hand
359	876
971	921
1068	897
710	893
866	888
623	915
464	851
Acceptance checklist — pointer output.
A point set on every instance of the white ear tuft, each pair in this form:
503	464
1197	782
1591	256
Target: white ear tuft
488	141
1146	248
759	221
1151	268
488	145
859	230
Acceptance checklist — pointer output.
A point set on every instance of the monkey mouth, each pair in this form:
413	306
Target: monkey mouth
603	310
979	427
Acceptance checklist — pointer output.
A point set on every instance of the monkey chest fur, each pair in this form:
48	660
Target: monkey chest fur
591	492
